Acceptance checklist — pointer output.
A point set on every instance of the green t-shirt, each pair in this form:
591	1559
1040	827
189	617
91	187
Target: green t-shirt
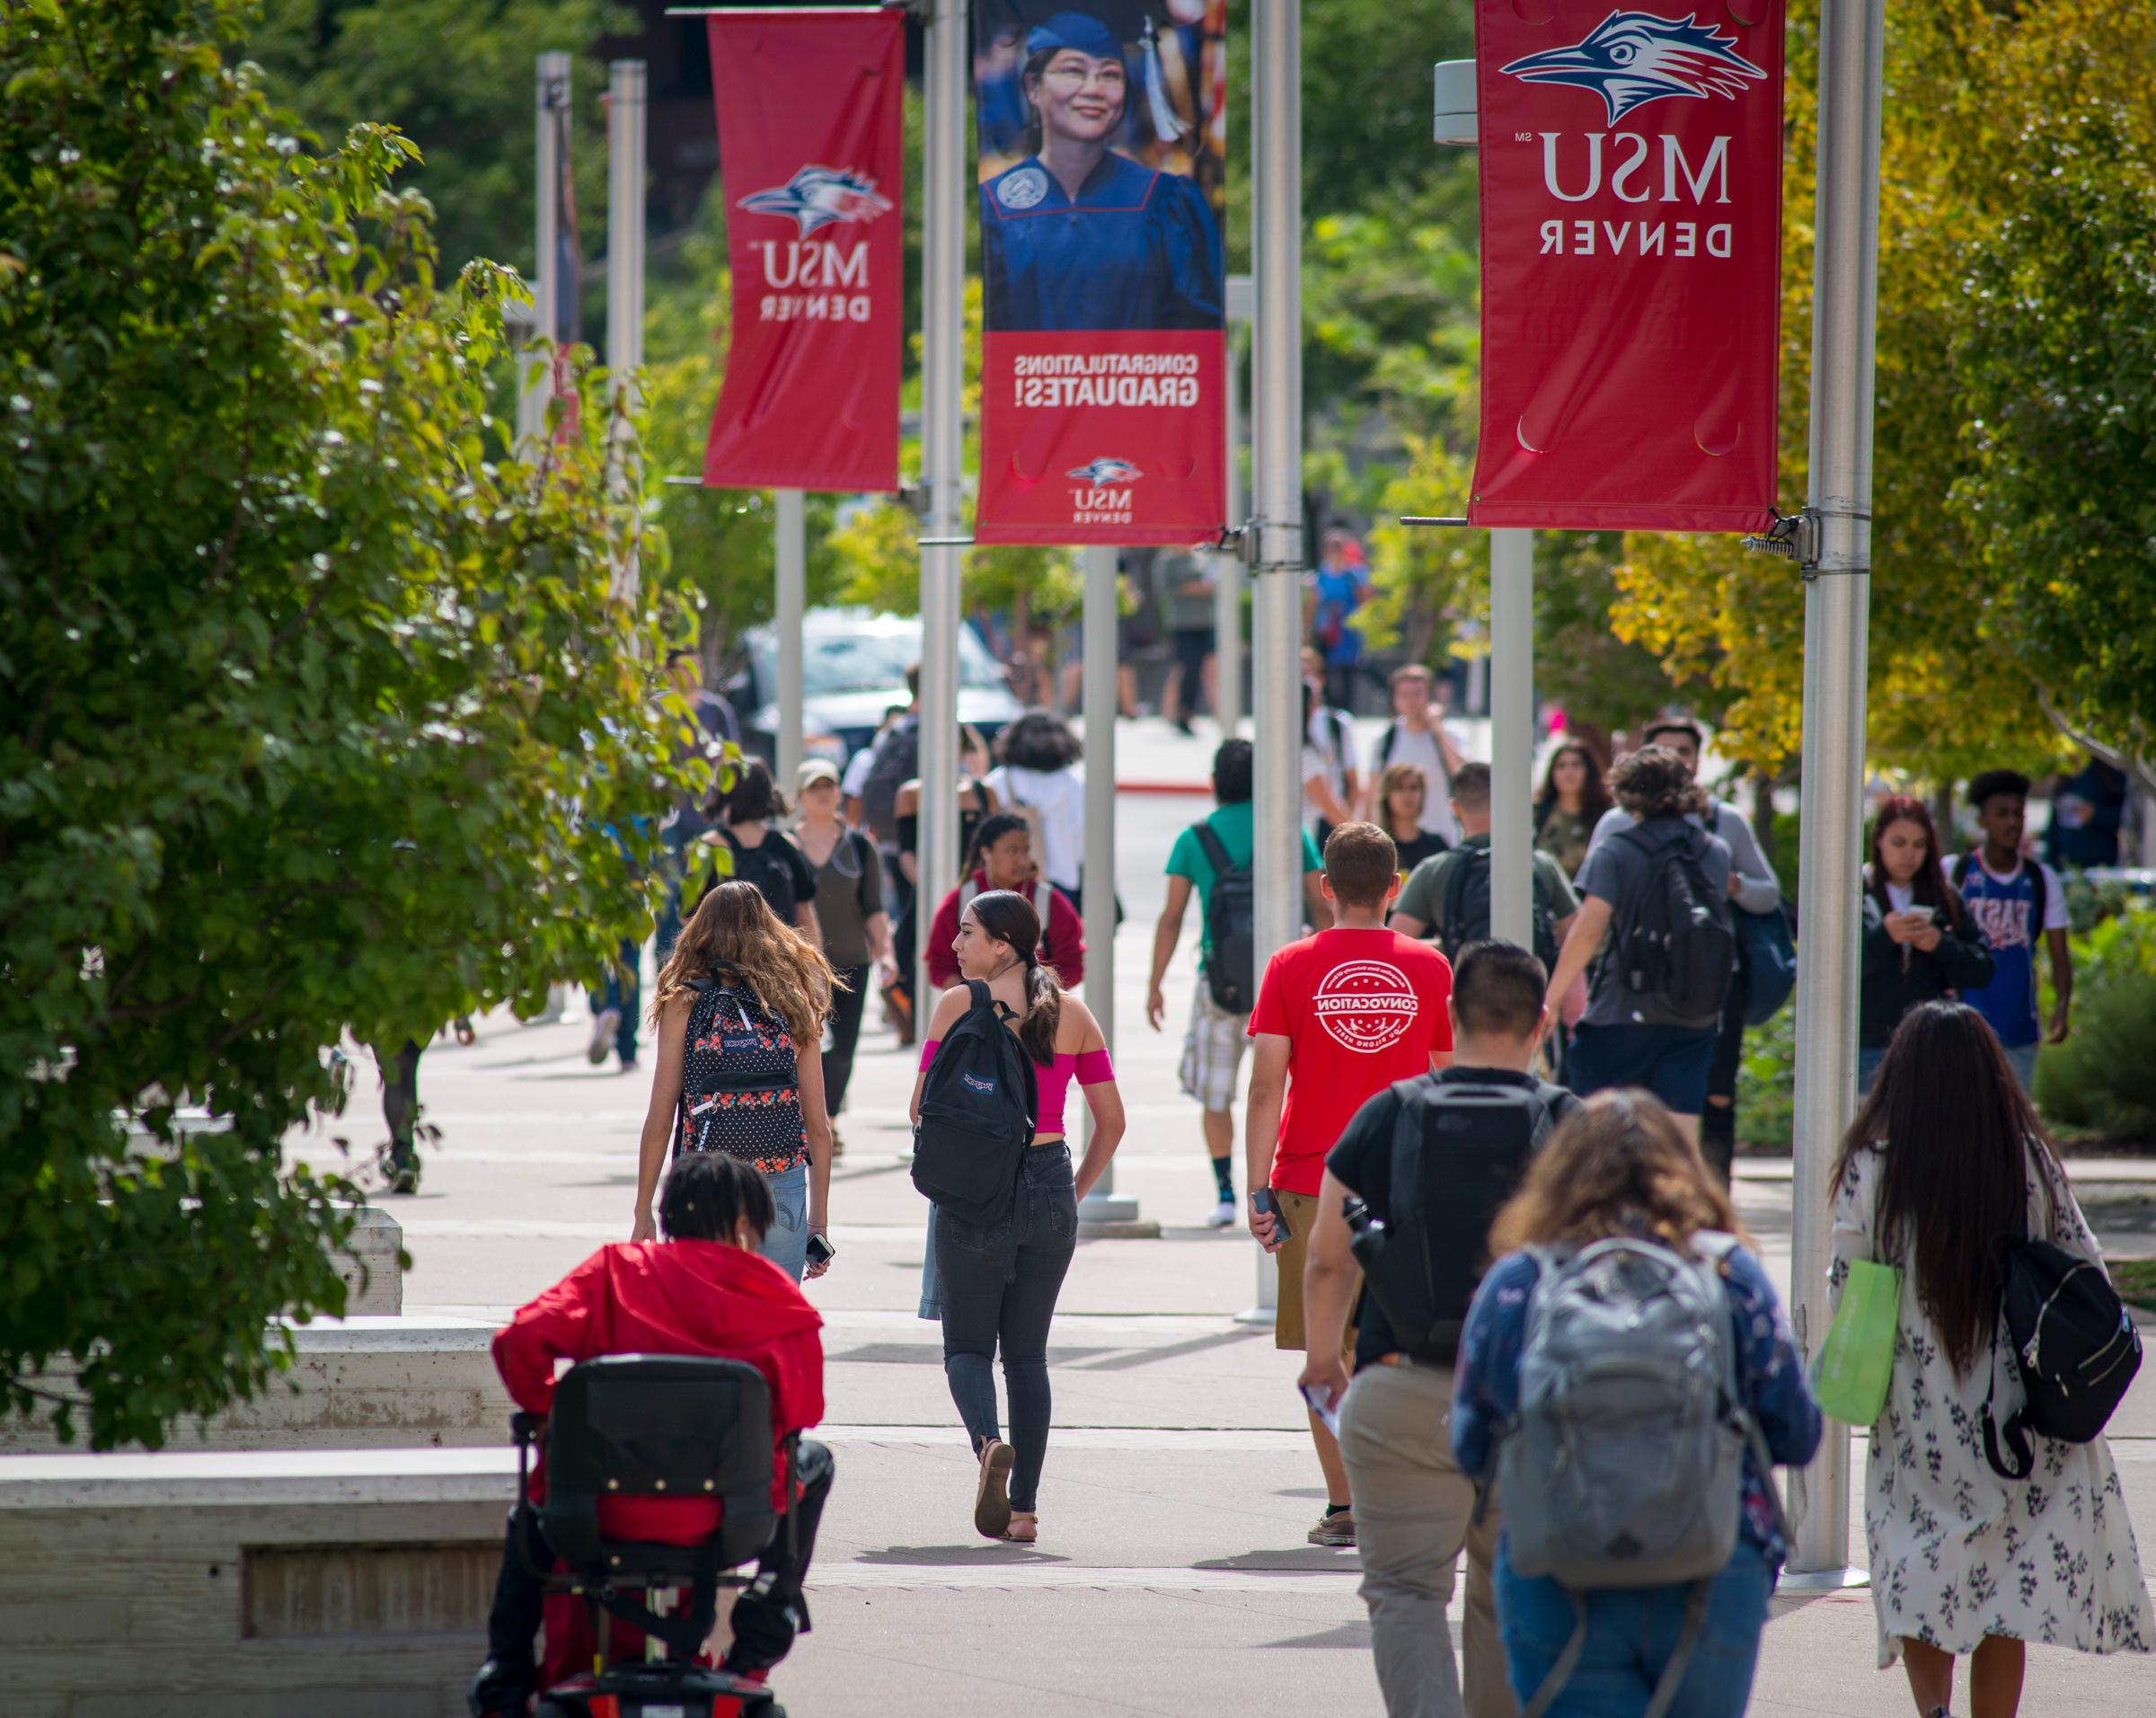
1423	895
1236	827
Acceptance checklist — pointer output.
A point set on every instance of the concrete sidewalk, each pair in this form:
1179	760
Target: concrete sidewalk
1172	1575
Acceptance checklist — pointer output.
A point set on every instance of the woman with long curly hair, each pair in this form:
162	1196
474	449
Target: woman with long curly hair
1618	1168
1944	1161
1624	1038
738	1015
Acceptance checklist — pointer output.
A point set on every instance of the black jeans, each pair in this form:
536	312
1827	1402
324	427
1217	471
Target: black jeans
765	1617
846	1003
998	1287
1717	1121
401	1099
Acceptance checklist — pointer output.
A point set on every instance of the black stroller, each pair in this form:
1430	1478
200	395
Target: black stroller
637	1425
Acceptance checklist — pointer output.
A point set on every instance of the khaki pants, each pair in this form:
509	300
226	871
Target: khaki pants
1412	1509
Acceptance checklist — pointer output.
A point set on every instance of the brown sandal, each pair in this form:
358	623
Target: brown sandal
992	1499
1024	1529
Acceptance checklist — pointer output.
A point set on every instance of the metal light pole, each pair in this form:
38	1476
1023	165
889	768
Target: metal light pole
1836	559
1276	418
942	367
1102	1212
534	374
790	530
625	111
1227	588
1512	736
1511	665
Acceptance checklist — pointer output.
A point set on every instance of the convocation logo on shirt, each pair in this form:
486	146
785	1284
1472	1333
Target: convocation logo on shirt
1367	1005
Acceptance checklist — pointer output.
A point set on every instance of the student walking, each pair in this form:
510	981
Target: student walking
1339	1016
1571	803
1754	887
1400	793
1447	896
1621	1244
998	1279
1416	735
1473	1129
1944	1161
849	912
1000	856
1035	774
1213	857
2015	900
1921	941
1655	1004
745	815
739	1014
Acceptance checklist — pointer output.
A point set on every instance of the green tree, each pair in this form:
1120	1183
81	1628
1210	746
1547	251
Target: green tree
324	712
457	77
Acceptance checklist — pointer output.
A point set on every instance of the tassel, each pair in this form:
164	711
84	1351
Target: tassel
1167	124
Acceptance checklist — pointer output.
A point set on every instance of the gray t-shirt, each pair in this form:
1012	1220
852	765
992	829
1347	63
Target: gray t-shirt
1611	867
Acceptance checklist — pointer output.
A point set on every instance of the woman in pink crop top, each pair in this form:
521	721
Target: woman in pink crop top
996	1285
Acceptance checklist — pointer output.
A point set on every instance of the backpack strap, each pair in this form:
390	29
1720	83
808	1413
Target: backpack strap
1214	849
1384	746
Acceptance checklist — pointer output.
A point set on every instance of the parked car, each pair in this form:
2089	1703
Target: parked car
853	664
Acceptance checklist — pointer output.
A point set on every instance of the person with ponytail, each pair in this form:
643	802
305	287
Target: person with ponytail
997	1284
1000	856
739	1013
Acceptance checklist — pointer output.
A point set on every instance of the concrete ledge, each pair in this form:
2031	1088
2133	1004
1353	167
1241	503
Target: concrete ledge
336	1583
374	1280
367	1382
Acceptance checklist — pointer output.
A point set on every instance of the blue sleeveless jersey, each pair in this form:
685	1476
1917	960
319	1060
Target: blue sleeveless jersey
2006	912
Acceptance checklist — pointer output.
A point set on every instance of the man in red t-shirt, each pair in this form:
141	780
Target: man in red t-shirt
1339	1016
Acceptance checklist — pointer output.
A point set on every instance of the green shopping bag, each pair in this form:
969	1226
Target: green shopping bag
1857	1360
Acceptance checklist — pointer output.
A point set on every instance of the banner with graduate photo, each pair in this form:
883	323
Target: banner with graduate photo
1104	355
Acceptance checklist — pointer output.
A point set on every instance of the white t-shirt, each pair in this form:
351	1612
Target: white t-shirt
857	772
1901	897
1059	798
1332	735
1421	749
1314	764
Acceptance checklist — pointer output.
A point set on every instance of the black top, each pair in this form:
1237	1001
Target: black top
1362	1163
776	867
1426	844
1897	977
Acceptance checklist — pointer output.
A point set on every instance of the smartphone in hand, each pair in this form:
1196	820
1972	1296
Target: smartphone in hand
820	1250
1265	1204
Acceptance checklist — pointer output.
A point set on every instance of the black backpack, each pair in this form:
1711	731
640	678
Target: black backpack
1674	944
740	1078
896	761
2074	1343
978	1106
1231	927
1460	1147
766	866
1467	907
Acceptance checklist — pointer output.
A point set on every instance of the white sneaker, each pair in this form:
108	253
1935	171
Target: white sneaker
604	1025
1223	1215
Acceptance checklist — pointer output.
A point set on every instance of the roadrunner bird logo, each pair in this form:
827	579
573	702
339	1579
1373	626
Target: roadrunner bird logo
1101	472
816	197
1633	58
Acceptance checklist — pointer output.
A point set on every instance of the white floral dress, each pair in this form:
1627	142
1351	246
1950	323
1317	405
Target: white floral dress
1956	1552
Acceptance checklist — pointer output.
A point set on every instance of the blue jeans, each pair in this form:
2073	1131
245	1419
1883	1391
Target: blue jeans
999	1284
622	988
931	1290
1868	1066
1673	1062
786	1241
2022	1060
1631	1633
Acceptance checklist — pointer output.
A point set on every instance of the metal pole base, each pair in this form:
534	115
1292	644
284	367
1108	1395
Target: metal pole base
1104	1217
1823	1580
1257	1316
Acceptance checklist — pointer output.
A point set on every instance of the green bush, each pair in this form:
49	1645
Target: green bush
1766	1083
2103	1077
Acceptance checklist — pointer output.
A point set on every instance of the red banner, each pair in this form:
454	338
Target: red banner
1103	363
1631	265
810	148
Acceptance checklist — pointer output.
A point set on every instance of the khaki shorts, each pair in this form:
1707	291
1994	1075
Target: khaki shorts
1302	1211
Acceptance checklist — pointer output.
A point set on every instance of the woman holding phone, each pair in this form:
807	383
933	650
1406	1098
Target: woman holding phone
1921	942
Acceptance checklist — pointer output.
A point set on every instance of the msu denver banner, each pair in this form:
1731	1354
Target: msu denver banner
1102	133
811	152
1631	265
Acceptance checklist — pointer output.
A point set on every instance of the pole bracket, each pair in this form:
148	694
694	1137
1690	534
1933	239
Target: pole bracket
1421	518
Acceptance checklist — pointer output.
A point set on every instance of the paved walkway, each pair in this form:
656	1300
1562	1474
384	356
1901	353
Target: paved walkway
1172	1576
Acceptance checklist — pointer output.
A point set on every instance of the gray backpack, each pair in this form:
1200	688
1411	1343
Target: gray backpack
1622	1467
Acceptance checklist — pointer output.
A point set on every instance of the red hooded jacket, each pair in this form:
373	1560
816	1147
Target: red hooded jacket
1062	933
670	1297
